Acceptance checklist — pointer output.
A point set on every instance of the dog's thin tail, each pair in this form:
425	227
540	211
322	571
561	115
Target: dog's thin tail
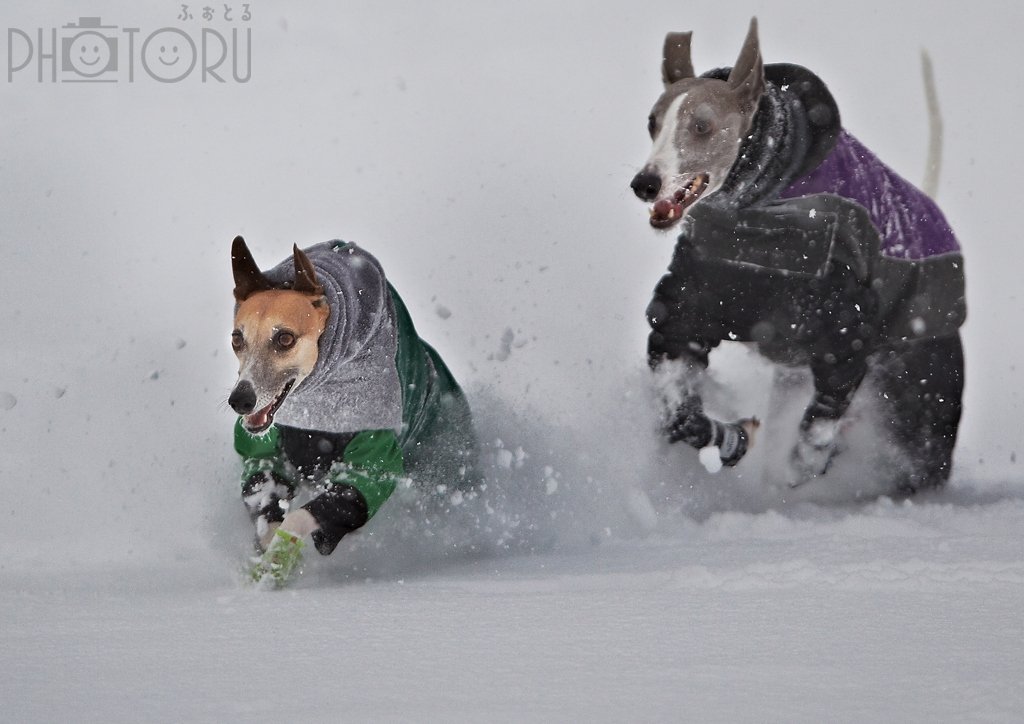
933	164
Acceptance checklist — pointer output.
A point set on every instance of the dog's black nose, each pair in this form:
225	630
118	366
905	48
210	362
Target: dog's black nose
243	398
646	185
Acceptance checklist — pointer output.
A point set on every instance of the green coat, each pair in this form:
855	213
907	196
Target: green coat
434	444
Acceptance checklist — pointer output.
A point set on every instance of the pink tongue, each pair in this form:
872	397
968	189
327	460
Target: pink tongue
665	209
259	418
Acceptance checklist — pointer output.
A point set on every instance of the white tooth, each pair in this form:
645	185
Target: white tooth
651	211
671	213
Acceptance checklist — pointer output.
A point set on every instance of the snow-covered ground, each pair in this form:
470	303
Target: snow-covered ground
483	153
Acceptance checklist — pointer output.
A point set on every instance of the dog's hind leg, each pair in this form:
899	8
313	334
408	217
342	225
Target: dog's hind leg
920	386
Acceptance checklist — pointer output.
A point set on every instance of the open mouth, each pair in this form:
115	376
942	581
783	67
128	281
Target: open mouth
261	419
669	210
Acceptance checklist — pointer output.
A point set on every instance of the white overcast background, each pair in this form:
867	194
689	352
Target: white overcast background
482	151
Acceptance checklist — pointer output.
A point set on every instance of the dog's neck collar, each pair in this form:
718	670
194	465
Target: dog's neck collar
795	127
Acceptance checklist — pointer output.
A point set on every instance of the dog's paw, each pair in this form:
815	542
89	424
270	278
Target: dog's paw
280	563
265	533
750	426
735	439
814	452
808	462
729	444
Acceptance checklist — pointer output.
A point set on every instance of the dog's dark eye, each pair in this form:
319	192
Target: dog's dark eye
284	340
237	341
651	124
701	126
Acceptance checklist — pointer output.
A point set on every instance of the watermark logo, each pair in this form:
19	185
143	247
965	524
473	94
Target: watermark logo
91	52
210	48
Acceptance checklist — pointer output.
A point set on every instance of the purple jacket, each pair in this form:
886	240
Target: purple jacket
910	224
804	194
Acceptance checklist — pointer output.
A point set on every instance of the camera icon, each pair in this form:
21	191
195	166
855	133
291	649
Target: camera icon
91	51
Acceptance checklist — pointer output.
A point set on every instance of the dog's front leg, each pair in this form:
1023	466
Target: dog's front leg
837	320
691	425
282	555
686	420
684	330
267	496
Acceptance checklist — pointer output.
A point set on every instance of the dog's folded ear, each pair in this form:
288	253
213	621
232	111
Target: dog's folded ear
747	76
676	63
248	277
305	275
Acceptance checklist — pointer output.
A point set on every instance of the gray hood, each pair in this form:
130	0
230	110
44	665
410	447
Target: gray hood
354	385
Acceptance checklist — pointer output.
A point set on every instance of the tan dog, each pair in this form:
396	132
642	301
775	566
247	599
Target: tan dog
337	395
276	339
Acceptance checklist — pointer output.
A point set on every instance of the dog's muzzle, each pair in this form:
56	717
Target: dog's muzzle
667	210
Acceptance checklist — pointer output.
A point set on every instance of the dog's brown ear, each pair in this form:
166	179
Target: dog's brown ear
676	63
747	76
305	275
248	277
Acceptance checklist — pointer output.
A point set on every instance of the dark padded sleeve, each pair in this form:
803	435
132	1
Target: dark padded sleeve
339	510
